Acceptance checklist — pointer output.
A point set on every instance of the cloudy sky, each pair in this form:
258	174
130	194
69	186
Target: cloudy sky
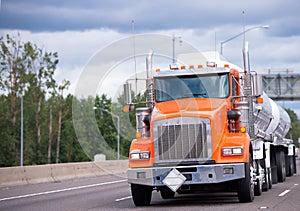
77	30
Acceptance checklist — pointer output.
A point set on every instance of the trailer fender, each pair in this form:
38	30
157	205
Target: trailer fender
291	150
258	149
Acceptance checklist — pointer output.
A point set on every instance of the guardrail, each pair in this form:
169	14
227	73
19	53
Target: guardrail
59	172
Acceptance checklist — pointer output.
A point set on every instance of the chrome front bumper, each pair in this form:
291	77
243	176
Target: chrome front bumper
197	174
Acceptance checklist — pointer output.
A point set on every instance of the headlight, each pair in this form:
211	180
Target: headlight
231	151
140	155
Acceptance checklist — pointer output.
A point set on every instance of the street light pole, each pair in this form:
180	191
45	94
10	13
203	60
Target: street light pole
242	33
118	127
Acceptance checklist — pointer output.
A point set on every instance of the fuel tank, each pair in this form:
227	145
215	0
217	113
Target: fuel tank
271	120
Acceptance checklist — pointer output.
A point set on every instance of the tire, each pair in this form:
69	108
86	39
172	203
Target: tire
258	188
270	178
258	185
274	174
246	185
280	161
266	183
289	166
141	194
166	193
295	165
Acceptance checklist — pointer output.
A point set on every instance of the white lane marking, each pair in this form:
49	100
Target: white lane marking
62	190
284	192
124	198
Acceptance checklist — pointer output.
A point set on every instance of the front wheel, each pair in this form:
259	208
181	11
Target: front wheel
246	185
141	194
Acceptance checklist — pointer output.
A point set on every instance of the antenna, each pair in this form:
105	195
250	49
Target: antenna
215	44
244	31
134	54
245	48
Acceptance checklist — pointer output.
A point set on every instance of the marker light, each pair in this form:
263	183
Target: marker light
191	67
260	100
200	66
243	129
126	109
182	67
211	64
138	134
232	151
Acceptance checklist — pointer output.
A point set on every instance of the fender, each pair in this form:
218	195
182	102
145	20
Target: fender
258	149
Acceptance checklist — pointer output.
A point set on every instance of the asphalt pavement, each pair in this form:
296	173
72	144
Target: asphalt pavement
112	192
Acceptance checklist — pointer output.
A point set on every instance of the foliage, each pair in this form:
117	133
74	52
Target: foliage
294	133
26	72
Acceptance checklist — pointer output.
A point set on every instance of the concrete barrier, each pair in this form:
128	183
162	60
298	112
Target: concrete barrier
38	174
59	172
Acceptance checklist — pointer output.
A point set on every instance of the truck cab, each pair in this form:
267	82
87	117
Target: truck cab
200	132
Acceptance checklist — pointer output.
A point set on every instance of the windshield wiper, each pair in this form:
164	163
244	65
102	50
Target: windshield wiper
200	94
188	95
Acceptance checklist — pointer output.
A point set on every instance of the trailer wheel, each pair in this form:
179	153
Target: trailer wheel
281	171
246	185
141	194
289	166
295	165
294	159
274	174
270	178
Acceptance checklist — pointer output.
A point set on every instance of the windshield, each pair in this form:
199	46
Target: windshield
191	86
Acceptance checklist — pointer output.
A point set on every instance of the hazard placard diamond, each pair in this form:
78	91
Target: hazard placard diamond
174	180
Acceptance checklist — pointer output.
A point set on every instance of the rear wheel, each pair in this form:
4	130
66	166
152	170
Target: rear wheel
280	161
246	185
266	183
289	166
258	187
141	194
270	178
259	182
295	165
274	175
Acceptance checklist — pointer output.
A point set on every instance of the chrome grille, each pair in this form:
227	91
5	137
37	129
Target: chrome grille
182	139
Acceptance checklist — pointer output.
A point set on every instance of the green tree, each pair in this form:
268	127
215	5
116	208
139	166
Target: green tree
294	132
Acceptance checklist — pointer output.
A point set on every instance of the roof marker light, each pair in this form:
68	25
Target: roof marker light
192	67
200	66
182	67
211	64
173	67
226	65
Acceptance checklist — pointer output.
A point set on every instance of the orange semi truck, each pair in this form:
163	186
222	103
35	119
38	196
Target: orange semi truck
207	128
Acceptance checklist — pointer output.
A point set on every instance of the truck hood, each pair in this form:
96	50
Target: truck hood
190	105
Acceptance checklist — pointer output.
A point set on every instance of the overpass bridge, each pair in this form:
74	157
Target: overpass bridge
283	86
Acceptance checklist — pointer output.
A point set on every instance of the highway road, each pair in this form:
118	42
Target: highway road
112	192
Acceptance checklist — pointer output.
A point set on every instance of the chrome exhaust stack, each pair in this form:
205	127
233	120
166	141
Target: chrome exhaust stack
149	81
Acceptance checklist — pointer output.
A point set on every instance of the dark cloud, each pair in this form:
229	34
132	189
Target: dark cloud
61	15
